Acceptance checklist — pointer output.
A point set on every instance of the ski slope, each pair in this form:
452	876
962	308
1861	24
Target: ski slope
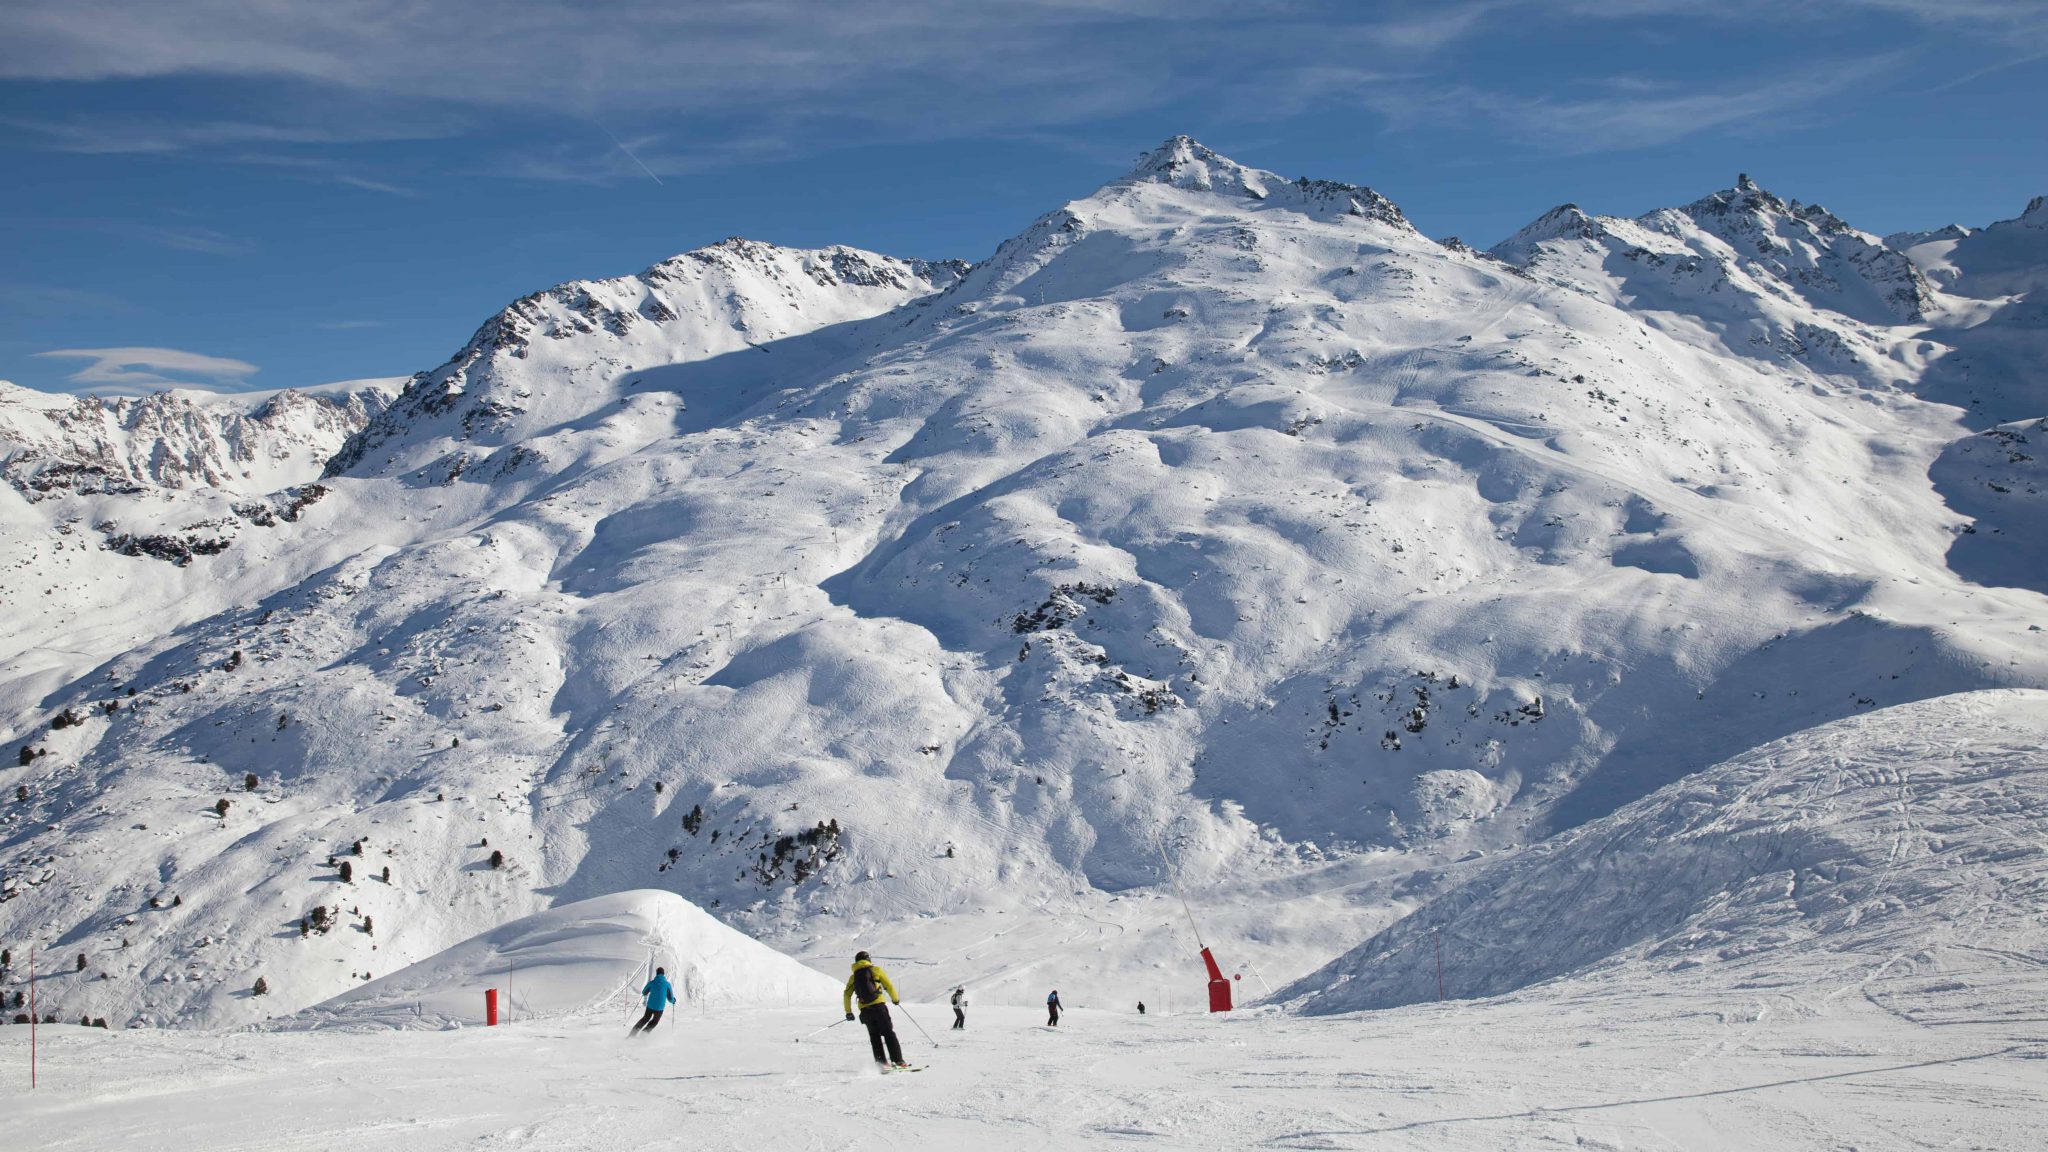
1637	1067
1896	857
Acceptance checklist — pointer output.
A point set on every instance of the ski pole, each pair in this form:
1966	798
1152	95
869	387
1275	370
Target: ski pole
920	1028
826	1028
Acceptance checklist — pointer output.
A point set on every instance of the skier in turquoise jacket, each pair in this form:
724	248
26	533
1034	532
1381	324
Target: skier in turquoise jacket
659	996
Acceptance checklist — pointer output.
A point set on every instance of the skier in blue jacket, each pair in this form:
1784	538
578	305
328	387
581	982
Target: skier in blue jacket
659	996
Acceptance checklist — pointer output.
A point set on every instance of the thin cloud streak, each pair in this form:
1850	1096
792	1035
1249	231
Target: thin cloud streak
128	370
1570	127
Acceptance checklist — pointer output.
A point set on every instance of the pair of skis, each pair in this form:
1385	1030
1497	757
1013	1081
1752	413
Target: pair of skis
886	1068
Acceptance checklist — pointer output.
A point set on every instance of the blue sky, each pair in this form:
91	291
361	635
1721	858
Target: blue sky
258	195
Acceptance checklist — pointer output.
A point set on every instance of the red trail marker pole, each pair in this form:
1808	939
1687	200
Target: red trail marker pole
1438	936
490	1007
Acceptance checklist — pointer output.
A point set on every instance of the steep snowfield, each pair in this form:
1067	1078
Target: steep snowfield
1218	527
1895	854
578	959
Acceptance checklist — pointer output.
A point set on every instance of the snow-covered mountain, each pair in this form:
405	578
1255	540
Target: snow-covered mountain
164	479
1218	526
245	443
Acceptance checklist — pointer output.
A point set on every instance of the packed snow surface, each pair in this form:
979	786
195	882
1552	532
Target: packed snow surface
579	958
1618	1068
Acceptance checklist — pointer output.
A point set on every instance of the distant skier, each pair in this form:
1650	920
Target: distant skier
869	984
959	1009
659	996
1141	1007
1052	1009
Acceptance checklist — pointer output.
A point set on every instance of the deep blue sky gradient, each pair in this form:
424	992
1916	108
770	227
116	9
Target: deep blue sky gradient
330	201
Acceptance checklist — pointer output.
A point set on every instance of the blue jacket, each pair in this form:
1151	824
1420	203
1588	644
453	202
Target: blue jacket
659	994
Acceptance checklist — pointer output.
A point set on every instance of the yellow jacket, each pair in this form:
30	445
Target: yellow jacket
881	985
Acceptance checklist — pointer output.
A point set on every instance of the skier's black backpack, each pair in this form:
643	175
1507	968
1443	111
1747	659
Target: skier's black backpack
865	989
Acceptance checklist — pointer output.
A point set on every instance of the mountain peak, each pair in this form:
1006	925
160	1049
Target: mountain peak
1185	162
1566	221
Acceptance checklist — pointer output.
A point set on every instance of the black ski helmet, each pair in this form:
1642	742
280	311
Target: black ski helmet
661	971
860	955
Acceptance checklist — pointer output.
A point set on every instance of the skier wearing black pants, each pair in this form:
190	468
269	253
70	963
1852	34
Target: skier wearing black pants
659	996
959	1009
1052	1009
871	986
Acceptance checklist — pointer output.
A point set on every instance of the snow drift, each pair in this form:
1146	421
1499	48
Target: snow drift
582	957
1904	843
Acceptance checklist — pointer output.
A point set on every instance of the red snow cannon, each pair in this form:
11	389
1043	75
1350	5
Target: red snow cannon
1219	988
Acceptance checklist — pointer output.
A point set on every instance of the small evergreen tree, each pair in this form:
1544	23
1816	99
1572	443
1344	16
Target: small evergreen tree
99	1021
81	961
220	809
85	1021
21	793
304	928
369	929
176	901
387	873
28	755
693	819
249	782
497	858
21	1017
348	874
6	957
262	987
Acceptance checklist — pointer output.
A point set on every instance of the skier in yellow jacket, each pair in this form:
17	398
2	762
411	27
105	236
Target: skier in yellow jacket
869	984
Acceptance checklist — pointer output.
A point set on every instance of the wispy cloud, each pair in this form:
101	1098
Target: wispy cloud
184	239
128	134
1637	115
130	371
691	87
